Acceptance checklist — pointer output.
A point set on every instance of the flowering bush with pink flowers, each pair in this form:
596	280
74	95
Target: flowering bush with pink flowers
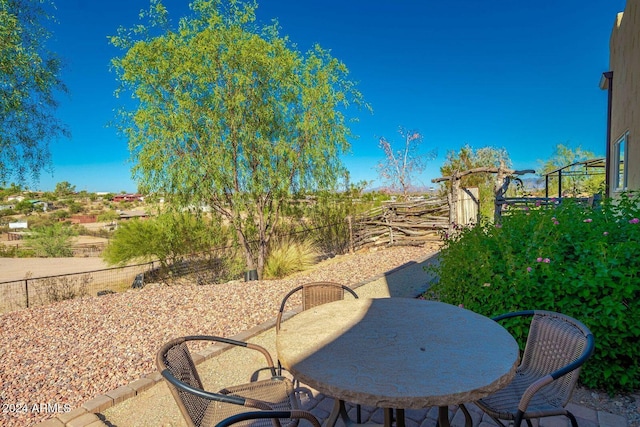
584	262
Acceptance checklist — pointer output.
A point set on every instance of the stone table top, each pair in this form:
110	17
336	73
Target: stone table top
397	352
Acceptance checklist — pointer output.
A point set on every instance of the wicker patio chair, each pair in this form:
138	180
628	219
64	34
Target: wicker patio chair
557	347
203	408
315	294
273	415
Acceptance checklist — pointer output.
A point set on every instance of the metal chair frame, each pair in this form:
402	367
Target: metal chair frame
274	415
557	347
200	407
315	294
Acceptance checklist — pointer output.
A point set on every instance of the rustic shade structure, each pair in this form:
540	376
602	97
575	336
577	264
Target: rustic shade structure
503	178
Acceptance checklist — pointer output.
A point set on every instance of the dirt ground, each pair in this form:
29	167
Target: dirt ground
18	268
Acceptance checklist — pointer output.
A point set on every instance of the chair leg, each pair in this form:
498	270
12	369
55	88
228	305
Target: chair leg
518	420
400	418
468	422
574	422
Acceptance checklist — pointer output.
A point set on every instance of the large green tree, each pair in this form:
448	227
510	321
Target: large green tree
229	114
64	188
29	79
468	158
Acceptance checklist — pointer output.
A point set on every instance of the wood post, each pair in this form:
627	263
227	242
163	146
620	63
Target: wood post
500	187
455	200
351	244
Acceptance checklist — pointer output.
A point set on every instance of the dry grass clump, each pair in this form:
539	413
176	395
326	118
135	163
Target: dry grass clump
289	256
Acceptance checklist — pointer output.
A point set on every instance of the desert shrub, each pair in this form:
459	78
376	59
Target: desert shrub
328	225
289	256
41	220
64	287
169	238
218	266
108	216
6	212
24	207
52	241
10	251
60	214
575	260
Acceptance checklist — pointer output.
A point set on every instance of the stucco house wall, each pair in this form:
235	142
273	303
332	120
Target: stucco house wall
624	62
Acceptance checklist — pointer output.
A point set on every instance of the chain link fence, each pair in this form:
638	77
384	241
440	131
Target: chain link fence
213	267
29	292
33	291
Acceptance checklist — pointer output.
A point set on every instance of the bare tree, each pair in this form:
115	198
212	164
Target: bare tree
400	166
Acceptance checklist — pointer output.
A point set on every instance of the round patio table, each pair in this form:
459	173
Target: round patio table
397	353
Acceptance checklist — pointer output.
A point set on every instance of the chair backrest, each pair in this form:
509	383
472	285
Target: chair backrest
556	341
318	293
175	357
314	294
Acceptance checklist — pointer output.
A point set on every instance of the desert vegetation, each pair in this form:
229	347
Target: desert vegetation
577	260
257	183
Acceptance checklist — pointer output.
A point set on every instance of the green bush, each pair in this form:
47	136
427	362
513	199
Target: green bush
60	214
52	241
328	224
570	259
108	216
169	238
10	251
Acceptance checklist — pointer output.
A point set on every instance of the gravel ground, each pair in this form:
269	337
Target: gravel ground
627	405
54	358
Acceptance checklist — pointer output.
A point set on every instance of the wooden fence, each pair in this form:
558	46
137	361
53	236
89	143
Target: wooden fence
428	220
401	223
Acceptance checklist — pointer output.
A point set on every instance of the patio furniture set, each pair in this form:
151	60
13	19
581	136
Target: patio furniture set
391	353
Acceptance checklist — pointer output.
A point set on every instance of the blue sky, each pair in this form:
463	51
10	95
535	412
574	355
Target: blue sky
520	75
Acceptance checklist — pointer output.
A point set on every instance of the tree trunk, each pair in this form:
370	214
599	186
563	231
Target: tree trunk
246	248
262	258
